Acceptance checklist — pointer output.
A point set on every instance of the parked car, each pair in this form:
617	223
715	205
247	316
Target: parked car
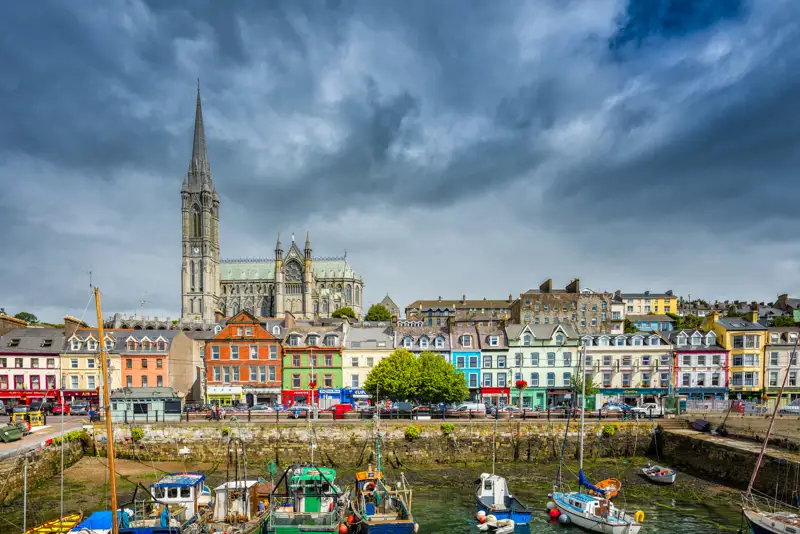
3	409
616	408
20	408
338	410
193	407
647	409
361	406
793	408
475	408
299	410
261	408
39	405
59	408
79	408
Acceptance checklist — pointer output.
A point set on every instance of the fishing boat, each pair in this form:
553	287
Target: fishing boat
378	507
659	475
610	486
769	516
591	511
306	498
493	498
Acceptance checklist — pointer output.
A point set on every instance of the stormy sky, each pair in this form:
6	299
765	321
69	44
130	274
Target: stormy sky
451	147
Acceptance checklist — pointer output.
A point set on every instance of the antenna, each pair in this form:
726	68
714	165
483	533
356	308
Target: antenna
89	272
141	305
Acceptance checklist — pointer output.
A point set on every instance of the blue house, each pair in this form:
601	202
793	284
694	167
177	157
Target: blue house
648	323
466	358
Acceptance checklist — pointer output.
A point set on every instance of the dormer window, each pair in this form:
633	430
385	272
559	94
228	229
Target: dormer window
619	341
494	341
773	337
311	340
587	341
75	344
526	339
439	342
423	342
91	345
466	341
408	342
711	339
653	341
131	344
559	339
681	340
330	341
793	337
276	330
696	339
294	340
109	343
162	346
637	341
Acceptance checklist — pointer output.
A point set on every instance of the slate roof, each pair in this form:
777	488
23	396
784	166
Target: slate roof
783	335
540	331
483	337
369	338
264	269
672	337
739	323
304	330
650	318
459	304
417	332
30	340
648	295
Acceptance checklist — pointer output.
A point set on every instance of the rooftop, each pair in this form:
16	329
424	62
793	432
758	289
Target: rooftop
651	317
180	479
739	323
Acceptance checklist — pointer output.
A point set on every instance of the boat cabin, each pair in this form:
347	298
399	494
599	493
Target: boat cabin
493	491
236	501
182	489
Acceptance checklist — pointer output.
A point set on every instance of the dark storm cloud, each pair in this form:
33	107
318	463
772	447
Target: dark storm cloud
543	117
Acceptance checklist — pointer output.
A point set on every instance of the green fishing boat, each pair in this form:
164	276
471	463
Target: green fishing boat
306	498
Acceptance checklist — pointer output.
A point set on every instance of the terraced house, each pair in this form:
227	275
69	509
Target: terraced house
81	374
144	356
701	365
779	351
629	368
648	303
495	380
745	339
364	348
545	356
466	357
29	363
243	361
312	364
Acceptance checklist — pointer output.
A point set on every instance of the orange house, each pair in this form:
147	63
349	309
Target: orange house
144	357
243	363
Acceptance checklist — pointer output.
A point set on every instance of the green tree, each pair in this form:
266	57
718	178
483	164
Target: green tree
591	387
378	312
439	381
783	320
629	328
27	317
396	377
686	322
344	313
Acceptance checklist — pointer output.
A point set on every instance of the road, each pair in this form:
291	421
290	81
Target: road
35	439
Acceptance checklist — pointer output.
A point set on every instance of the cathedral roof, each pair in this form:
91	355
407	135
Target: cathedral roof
264	269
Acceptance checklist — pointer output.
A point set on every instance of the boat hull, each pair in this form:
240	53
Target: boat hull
593	524
668	479
388	527
520	517
761	523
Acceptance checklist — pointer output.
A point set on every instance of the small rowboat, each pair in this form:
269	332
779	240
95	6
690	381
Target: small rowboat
497	526
57	526
660	475
610	486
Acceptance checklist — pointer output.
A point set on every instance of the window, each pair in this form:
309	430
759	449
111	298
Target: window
751	379
234	352
793	358
559	339
534	359
594	321
235	373
792	379
328	360
3	363
439	342
466	341
566	378
646	360
518	359
91	345
408	342
501	380
273	352
217	373
423	342
620	341
607	379
551	359
90	363
746	342
473	362
607	360
215	353
73	363
276	331
73	381
773	378
664	380
353	381
487	361
750	359
370	362
34	363
239	331
295	381
131	344
687	360
494	341
144	381
129	380
226	374
354	361
637	341
736	379
75	345
665	359
534	379
294	341
715	379
654	341
248	331
773	358
330	341
701	380
461	362
144	363
547	320
162	346
109	343
312	340
567	359
159	363
551	379
626	380
501	361
35	384
716	359
271	373
18	363
701	359
51	363
695	339
645	380
588	360
487	380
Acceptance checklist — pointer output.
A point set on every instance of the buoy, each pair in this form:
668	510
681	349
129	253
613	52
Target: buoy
480	515
343	529
563	519
416	527
639	517
482	519
555	512
550	505
351	519
491	518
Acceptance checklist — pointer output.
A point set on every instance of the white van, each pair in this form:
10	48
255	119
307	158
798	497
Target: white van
477	408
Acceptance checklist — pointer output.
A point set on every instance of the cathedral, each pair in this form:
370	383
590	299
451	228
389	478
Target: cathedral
291	281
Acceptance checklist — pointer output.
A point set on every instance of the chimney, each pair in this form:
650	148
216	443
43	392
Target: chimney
218	317
7	324
574	286
669	292
71	324
647	293
753	316
288	320
510	297
547	286
715	317
440	298
394	319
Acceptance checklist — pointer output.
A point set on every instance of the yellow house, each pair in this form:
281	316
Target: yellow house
745	339
649	303
364	348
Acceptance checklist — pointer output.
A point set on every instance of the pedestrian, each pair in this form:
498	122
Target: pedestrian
91	414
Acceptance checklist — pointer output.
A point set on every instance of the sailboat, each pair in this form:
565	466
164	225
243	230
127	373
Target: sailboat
593	511
377	507
777	520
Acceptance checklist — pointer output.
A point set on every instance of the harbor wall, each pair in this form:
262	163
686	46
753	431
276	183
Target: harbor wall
413	445
43	465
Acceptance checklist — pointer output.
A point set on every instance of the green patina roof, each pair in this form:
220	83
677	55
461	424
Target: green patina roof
236	270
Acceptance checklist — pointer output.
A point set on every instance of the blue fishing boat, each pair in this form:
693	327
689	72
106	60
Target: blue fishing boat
493	497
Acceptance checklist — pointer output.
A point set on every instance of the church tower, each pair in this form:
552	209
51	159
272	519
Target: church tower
200	277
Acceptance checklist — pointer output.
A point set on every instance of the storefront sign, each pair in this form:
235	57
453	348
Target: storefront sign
330	392
494	391
640	391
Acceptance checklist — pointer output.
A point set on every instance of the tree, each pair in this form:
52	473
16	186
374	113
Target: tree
591	387
439	381
629	327
783	320
27	317
686	322
396	377
378	312
344	313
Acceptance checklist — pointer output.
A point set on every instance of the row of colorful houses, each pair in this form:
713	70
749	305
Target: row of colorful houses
245	359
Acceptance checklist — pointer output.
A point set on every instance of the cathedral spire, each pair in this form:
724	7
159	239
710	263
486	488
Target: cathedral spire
308	241
199	163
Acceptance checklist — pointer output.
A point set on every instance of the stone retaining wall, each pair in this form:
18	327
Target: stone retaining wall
43	465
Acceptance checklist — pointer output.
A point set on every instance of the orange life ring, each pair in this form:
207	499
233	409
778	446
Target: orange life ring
368	488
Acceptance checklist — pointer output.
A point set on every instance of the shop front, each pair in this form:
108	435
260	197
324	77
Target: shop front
89	396
495	396
558	397
225	395
14	397
631	397
299	396
701	394
265	395
354	395
328	397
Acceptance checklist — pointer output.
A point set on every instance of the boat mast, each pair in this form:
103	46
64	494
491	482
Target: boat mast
583	395
771	421
494	437
107	406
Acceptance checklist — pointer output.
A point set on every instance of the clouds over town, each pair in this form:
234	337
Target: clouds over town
450	147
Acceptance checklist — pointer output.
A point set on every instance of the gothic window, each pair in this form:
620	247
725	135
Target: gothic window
316	307
293	272
339	288
201	274
348	294
264	310
358	295
193	273
324	306
197	228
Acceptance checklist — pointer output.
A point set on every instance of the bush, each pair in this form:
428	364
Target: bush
226	431
412	432
609	430
447	428
137	433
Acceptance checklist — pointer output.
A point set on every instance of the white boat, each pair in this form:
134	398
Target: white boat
497	526
762	522
595	513
660	475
